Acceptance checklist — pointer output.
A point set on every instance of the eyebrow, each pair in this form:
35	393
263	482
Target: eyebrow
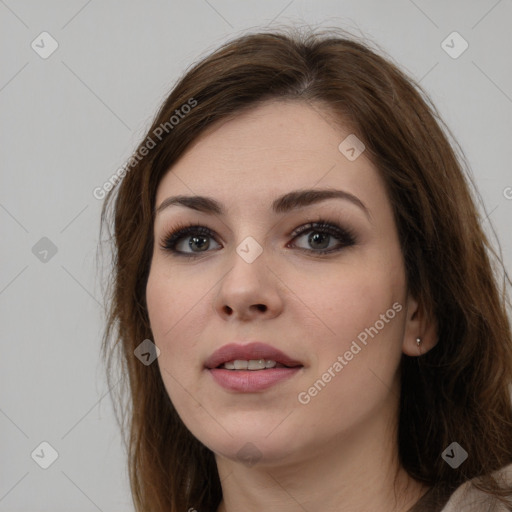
288	202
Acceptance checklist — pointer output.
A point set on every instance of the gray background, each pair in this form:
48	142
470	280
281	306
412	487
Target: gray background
69	122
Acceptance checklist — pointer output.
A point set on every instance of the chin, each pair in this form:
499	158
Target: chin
252	453
251	446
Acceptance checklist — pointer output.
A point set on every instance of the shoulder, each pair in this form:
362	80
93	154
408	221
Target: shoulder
468	499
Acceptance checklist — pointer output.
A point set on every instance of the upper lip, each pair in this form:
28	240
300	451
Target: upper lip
255	350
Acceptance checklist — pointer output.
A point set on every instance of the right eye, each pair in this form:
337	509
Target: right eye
197	237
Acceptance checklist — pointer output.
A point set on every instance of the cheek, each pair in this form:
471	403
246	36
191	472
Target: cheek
338	305
364	314
169	309
170	299
161	302
178	312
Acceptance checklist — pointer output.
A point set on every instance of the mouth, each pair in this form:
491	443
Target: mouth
252	364
255	356
250	368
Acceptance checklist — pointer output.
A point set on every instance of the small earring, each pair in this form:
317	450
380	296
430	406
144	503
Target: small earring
418	341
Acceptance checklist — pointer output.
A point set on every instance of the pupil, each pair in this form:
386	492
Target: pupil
194	240
315	237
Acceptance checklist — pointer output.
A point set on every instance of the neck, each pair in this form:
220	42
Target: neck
356	472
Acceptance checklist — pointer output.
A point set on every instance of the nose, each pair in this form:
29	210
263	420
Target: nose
249	291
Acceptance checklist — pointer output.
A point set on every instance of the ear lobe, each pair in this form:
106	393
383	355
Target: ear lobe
417	325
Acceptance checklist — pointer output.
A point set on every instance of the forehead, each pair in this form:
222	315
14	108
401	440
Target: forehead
267	151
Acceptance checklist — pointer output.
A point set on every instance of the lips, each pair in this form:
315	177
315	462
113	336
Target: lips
251	351
281	369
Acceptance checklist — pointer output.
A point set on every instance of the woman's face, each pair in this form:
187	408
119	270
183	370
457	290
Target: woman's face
339	317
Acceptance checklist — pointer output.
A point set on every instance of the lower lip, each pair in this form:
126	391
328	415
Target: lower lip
249	381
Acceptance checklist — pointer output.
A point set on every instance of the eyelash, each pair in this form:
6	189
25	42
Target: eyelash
345	235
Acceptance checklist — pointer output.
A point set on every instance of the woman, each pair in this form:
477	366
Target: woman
296	236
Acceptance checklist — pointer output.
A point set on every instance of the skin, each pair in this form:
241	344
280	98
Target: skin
338	452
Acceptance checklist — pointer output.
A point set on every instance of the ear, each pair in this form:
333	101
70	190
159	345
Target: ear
417	325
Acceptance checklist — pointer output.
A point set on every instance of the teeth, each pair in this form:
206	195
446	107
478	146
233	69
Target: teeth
252	364
241	365
256	364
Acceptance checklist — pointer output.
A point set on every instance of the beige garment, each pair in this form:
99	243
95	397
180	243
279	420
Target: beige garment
468	499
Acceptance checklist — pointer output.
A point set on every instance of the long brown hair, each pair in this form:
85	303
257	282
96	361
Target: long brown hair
458	391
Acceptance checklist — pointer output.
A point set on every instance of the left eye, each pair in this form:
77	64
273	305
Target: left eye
321	233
